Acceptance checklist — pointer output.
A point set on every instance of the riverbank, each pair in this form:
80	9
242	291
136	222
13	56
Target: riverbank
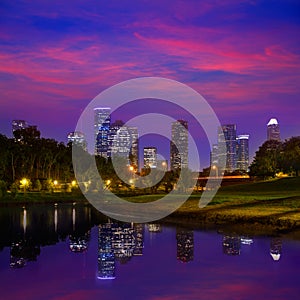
261	208
254	208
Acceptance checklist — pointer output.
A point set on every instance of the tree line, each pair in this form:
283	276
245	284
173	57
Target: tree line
27	155
274	157
30	162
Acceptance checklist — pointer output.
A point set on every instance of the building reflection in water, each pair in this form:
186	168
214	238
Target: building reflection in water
23	251
246	240
185	244
276	248
79	243
118	242
28	229
154	227
106	255
231	245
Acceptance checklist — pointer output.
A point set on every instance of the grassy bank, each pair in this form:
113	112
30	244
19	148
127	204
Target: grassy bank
41	198
255	207
258	206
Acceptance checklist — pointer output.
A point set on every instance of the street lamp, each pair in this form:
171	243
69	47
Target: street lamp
214	167
24	183
55	182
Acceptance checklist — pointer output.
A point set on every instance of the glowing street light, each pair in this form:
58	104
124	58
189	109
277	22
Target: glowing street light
73	183
24	183
214	167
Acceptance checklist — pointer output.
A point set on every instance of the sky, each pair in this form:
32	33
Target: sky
243	57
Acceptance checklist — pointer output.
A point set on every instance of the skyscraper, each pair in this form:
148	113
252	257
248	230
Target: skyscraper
101	130
77	138
242	151
214	155
179	145
273	132
123	141
227	146
150	157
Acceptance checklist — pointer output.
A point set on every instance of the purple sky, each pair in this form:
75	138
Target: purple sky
242	56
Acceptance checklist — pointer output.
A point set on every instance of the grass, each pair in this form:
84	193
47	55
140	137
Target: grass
273	203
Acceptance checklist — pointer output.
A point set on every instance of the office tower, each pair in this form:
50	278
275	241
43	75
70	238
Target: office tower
106	256
101	130
242	151
185	244
123	141
150	157
214	155
134	150
112	137
77	138
179	145
273	132
19	124
227	146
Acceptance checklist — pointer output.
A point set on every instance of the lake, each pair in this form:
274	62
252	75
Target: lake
73	252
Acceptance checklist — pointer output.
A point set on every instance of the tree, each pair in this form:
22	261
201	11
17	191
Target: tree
291	156
267	160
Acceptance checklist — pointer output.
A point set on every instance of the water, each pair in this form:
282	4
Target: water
73	252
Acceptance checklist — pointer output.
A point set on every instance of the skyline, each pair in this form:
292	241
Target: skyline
237	153
243	57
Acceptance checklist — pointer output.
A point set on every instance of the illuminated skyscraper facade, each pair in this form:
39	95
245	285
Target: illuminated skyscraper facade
150	157
123	141
273	131
242	150
101	130
77	138
227	146
179	145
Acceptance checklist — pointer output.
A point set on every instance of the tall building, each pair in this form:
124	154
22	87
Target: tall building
77	138
134	150
214	155
19	124
150	157
227	146
273	132
123	141
242	162
101	130
179	145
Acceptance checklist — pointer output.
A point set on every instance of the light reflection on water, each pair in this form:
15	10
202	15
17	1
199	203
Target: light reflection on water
71	251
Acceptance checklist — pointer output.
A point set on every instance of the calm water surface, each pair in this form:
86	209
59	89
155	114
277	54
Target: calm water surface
73	252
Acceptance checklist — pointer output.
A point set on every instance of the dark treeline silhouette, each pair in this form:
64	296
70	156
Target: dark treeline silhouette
27	155
274	157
